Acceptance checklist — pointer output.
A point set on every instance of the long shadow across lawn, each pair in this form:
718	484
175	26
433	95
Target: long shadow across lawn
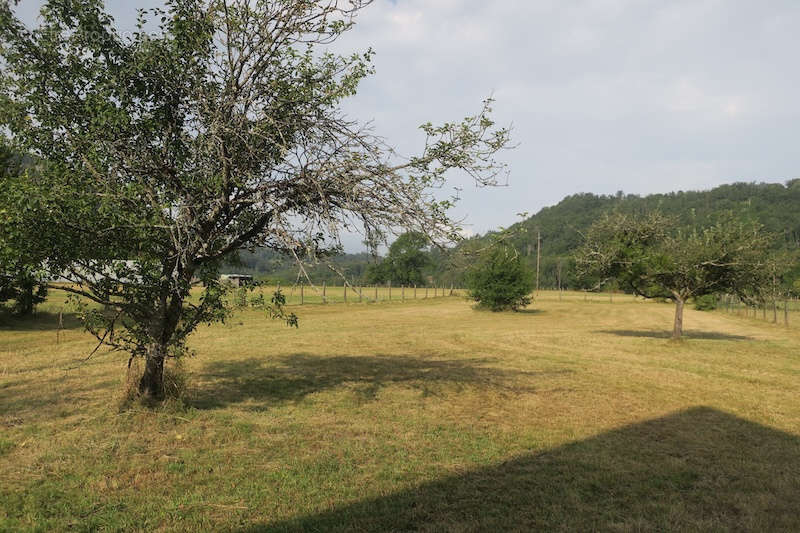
697	470
41	321
293	377
690	334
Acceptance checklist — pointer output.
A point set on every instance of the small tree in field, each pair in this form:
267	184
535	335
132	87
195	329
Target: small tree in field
166	152
23	284
405	262
500	280
21	275
652	257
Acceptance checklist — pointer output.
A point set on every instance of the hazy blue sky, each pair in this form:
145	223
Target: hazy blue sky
604	95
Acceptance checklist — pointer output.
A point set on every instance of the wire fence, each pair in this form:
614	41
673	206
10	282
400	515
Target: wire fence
302	294
781	310
777	311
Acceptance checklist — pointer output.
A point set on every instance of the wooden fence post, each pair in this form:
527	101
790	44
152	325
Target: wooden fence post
426	292
390	291
60	326
402	293
302	295
785	311
376	292
345	292
324	293
415	291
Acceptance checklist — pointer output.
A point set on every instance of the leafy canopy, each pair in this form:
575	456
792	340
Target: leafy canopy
21	271
165	152
653	257
405	263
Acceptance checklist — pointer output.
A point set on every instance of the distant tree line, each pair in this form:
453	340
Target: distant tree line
562	229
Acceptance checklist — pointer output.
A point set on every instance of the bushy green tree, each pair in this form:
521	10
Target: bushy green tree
23	284
405	263
500	280
653	256
22	277
707	302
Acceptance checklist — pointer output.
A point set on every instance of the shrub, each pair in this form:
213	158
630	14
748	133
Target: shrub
500	280
707	302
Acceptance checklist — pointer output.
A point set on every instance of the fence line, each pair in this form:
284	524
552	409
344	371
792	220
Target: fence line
784	305
332	294
777	311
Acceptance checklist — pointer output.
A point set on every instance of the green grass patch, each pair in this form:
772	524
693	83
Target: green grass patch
428	415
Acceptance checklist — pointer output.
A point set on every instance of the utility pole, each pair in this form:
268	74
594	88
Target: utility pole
538	257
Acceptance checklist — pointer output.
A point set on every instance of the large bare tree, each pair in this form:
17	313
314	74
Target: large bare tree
166	151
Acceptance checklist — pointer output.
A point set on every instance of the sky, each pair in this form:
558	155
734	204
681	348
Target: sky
603	95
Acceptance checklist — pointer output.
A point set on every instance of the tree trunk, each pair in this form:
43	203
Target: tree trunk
677	330
25	302
152	382
25	299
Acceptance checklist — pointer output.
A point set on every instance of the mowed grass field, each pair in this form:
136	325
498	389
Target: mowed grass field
424	415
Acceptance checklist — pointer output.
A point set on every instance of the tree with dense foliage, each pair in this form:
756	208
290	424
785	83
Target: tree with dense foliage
167	151
653	257
21	274
780	274
24	284
500	280
405	263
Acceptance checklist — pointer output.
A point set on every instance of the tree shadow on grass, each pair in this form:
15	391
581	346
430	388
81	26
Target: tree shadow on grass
524	311
689	334
699	470
293	377
41	321
530	311
34	398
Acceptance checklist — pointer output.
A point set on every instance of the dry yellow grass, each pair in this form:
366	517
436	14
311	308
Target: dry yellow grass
424	415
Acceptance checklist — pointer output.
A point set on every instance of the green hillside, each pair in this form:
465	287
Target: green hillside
776	206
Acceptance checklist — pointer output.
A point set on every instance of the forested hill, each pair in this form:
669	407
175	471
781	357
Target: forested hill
774	205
